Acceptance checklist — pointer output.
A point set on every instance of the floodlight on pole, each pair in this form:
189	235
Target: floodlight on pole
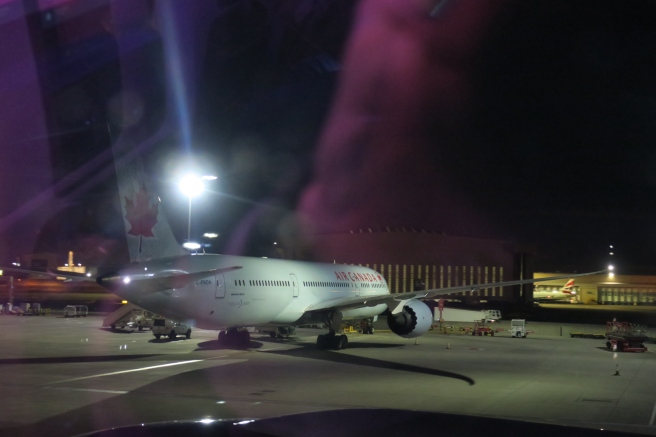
191	186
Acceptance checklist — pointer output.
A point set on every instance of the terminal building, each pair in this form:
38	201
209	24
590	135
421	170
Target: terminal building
411	259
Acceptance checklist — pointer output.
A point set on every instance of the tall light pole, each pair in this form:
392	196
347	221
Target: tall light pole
191	186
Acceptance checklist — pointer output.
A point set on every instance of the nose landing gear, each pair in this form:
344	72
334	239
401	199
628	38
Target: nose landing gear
235	337
332	340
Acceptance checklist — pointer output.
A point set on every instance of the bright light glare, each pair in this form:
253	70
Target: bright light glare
191	186
244	422
206	421
611	275
88	275
611	268
126	280
191	245
209	178
210	235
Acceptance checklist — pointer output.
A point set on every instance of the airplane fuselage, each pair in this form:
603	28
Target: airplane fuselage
546	296
259	292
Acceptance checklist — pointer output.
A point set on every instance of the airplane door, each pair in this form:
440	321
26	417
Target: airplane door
356	288
220	286
294	284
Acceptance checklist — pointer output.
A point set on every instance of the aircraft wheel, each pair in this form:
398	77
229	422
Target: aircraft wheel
342	342
157	336
321	342
113	326
188	334
272	334
244	338
608	345
492	333
222	337
371	330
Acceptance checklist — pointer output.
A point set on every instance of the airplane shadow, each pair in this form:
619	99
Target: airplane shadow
81	359
120	331
605	349
311	351
215	345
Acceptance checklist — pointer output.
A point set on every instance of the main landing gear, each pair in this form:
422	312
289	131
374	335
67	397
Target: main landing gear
235	337
332	341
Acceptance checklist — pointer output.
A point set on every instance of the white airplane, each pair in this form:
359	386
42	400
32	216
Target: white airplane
230	293
565	293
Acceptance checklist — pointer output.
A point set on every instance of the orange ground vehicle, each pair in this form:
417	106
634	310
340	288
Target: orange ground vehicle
480	328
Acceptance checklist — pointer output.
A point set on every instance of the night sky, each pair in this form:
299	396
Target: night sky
546	138
554	146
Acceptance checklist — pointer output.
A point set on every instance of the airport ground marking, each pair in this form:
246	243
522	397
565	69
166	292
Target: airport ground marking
93	390
127	371
653	416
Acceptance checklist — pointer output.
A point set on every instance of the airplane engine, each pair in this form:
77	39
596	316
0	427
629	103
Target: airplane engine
415	320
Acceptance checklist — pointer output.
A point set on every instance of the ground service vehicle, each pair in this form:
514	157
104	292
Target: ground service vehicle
518	328
480	328
130	316
76	311
626	337
170	329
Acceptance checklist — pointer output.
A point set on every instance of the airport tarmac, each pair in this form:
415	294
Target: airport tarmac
63	376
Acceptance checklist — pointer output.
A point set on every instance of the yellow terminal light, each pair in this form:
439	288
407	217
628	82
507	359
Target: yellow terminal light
124	302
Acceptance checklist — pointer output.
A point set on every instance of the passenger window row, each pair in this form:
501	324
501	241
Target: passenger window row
272	283
262	283
325	284
368	285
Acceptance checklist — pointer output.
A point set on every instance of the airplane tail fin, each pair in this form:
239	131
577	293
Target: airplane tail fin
567	289
147	230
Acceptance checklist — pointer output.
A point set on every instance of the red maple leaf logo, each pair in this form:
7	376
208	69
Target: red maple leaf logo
140	214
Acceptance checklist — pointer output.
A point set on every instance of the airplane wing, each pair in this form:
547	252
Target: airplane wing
70	276
397	300
160	281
